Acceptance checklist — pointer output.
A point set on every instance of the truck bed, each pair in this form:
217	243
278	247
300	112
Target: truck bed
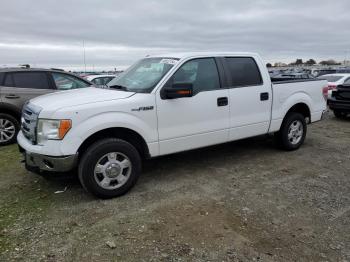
286	92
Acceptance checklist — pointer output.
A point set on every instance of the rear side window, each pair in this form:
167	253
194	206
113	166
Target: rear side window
244	71
9	80
1	78
35	80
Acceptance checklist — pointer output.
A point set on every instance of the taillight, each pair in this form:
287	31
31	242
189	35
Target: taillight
325	92
332	87
326	89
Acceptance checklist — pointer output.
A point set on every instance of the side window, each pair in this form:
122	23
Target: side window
108	79
35	80
244	71
202	73
97	81
102	80
9	80
67	82
347	81
2	75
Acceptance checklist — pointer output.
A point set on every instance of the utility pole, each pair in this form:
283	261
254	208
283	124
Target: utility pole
84	57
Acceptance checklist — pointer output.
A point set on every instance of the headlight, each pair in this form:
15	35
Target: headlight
52	129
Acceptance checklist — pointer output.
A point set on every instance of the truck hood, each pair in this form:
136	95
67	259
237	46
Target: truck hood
57	100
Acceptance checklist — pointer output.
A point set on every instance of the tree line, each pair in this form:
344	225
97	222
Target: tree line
309	62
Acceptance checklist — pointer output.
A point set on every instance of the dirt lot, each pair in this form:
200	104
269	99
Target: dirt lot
243	201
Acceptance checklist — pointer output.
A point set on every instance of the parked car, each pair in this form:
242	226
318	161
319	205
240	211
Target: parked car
163	105
18	85
334	80
339	101
100	80
343	70
274	72
321	72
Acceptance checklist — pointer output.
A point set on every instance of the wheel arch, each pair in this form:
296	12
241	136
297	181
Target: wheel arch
126	134
301	108
10	110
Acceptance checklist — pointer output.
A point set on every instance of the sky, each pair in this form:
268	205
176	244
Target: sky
47	33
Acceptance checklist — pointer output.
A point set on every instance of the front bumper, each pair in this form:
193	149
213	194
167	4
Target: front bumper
34	161
341	105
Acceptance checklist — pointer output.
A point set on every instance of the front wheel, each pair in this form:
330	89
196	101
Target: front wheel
9	128
109	168
293	131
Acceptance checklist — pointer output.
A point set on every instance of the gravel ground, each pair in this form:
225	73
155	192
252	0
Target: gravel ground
243	201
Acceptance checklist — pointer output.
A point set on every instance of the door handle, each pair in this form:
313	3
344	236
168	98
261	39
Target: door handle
11	96
264	96
222	101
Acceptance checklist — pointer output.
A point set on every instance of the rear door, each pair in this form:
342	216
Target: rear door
20	87
197	121
250	98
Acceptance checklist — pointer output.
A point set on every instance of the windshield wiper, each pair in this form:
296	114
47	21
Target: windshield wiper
119	87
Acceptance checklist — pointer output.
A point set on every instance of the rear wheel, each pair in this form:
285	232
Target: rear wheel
109	168
9	128
292	133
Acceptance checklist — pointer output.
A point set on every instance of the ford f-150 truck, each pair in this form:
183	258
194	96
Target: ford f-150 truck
163	105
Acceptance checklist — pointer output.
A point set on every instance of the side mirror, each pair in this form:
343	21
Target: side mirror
177	90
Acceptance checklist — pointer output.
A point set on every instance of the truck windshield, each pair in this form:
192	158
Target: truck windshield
144	75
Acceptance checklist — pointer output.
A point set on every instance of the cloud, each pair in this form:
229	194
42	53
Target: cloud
51	33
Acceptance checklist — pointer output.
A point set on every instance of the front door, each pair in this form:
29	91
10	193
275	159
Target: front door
197	121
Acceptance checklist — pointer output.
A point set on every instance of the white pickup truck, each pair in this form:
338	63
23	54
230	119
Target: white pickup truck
163	105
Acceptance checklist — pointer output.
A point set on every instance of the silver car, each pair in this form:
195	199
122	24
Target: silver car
18	85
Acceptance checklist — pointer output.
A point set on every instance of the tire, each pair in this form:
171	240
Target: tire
109	168
289	139
339	114
9	128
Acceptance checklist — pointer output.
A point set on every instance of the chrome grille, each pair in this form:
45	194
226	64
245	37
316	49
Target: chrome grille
29	121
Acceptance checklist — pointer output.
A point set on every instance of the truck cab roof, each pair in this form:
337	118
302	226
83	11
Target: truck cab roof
185	55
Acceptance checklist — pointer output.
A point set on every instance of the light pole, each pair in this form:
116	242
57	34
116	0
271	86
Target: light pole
84	57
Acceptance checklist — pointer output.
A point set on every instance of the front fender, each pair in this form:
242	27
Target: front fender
79	133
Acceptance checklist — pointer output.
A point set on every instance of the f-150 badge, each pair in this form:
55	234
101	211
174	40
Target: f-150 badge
143	108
